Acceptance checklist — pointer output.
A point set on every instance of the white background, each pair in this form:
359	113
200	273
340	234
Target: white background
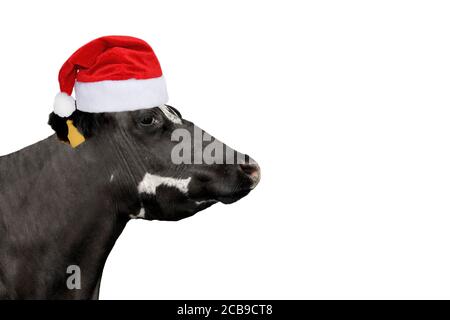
345	105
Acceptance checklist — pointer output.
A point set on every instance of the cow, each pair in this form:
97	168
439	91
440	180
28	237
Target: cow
63	208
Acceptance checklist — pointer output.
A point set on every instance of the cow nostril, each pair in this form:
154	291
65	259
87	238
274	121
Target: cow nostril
249	168
252	170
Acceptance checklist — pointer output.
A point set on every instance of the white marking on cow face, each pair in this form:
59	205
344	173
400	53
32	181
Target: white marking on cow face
205	201
111	178
169	115
141	214
153	181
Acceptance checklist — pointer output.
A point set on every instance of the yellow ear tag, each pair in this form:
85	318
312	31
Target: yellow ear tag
74	136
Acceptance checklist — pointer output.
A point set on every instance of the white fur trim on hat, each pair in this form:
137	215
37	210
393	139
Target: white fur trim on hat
64	105
120	95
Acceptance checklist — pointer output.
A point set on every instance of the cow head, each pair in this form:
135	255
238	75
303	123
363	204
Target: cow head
162	166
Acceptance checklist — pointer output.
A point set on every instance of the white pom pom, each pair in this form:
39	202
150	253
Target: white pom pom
64	105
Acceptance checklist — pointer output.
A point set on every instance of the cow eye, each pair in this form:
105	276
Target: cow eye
148	121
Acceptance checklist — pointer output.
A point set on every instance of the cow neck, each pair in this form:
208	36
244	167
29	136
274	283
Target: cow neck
60	208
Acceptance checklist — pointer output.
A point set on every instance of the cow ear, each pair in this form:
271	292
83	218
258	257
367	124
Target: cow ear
65	129
59	125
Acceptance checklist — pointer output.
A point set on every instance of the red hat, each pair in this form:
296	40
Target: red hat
111	74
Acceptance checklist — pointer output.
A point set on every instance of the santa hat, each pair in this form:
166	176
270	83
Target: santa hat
111	74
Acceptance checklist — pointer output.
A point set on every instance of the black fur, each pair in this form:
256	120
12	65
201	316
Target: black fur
59	125
87	123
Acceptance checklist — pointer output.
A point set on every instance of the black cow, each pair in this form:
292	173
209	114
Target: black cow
63	208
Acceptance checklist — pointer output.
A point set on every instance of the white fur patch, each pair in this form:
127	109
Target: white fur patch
141	214
169	115
152	181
